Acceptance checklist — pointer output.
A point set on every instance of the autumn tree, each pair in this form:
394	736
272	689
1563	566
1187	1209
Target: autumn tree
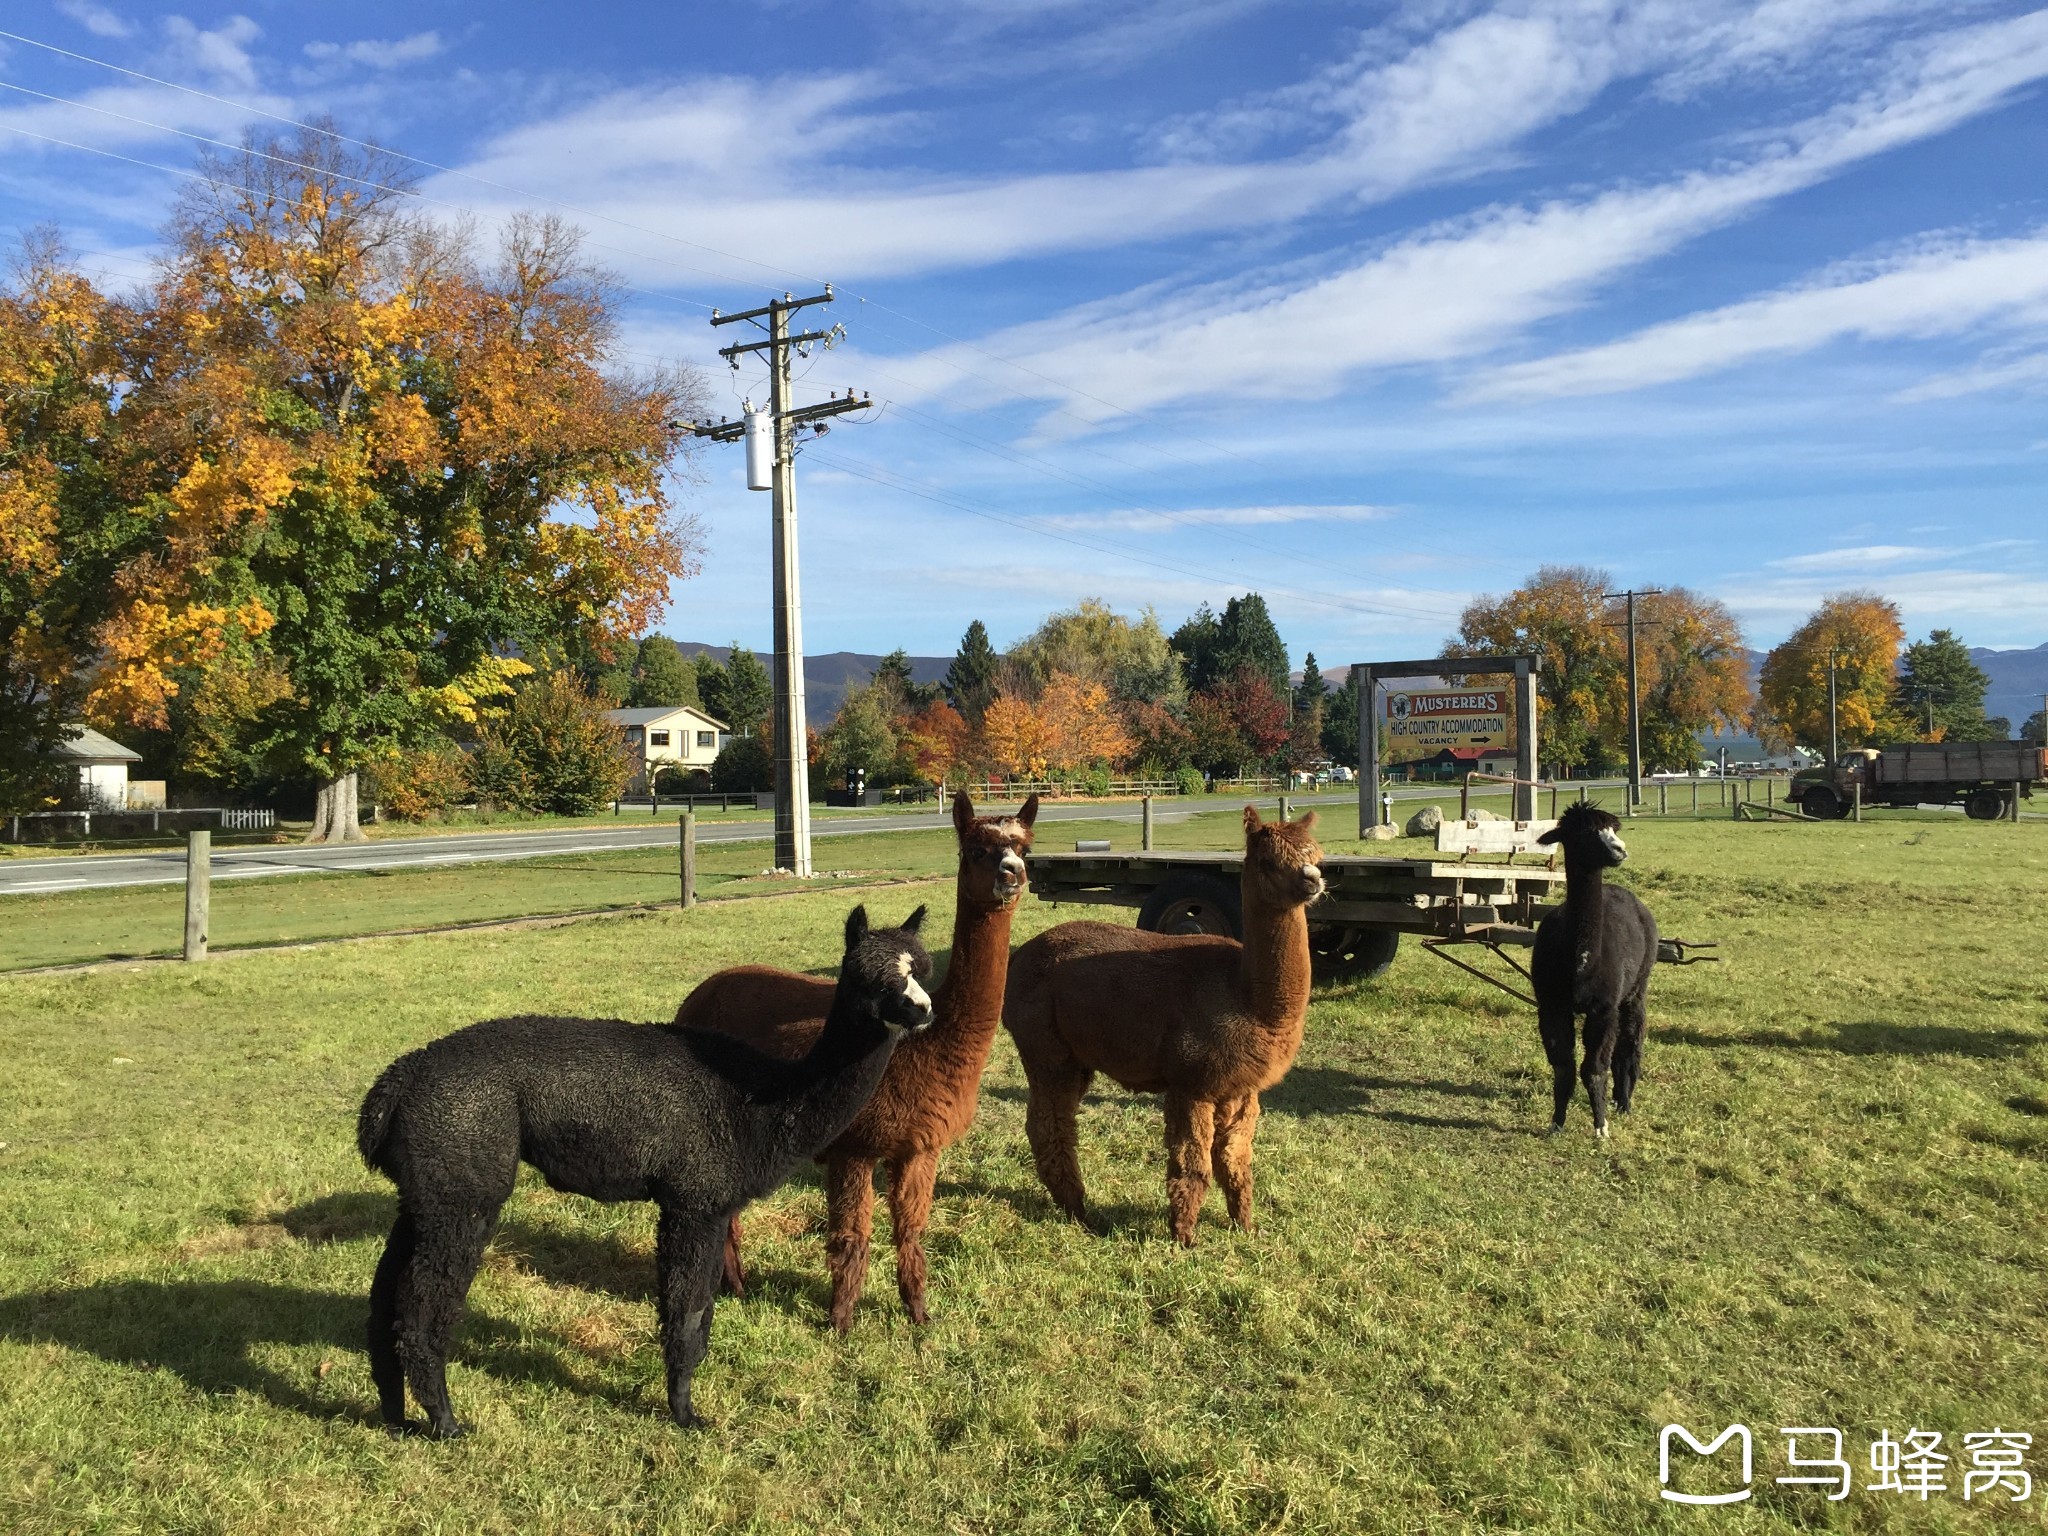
66	529
1160	739
1692	676
1259	711
1130	658
1942	690
933	743
970	682
1862	632
1014	737
1081	728
1582	685
384	462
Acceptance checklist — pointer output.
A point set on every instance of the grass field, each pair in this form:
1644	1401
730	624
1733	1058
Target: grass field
1826	1210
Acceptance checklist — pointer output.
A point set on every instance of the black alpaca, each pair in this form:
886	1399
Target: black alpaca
1593	957
697	1123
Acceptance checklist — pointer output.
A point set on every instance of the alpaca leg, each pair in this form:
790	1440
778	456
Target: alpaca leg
1556	1027
1601	1028
1190	1132
448	1246
688	1258
1230	1155
735	1272
1628	1051
386	1369
850	1205
1050	1123
910	1209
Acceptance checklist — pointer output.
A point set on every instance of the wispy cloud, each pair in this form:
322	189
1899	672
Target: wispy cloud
378	54
1868	556
1144	521
96	19
1948	290
1465	287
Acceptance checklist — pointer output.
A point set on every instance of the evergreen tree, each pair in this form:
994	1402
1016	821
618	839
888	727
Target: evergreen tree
1942	691
1314	689
749	692
1196	643
1340	723
661	678
970	682
901	691
2036	728
1246	637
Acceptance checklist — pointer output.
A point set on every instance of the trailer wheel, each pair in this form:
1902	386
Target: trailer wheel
1193	904
1984	805
1340	953
1821	802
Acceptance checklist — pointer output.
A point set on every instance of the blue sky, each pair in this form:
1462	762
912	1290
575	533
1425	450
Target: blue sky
1370	308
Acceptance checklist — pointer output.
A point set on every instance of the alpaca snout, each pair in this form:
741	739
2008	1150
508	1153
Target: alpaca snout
1312	882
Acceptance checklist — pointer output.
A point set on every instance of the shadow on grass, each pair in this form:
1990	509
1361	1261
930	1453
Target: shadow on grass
1868	1038
207	1331
341	1218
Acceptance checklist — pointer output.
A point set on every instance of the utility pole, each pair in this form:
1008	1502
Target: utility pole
1834	731
792	758
1635	713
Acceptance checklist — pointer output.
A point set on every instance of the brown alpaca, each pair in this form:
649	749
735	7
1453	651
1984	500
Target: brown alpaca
927	1097
1207	1021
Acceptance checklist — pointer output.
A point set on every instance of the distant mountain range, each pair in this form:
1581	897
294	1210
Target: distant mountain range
828	678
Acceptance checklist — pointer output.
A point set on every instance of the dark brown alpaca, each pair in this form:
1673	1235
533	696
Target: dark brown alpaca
1207	1021
927	1098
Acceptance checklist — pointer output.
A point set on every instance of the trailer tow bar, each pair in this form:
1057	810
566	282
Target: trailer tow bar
1499	937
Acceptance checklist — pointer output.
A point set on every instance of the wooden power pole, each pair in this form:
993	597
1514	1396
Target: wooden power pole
792	762
1635	707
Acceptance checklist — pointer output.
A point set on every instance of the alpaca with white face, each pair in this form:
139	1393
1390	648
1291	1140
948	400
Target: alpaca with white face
1592	959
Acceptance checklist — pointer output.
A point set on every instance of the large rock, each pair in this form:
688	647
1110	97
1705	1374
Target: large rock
1381	834
1479	813
1425	821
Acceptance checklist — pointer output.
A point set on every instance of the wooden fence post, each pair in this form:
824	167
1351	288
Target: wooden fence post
198	896
2012	806
1283	808
1145	836
1856	800
686	830
1663	800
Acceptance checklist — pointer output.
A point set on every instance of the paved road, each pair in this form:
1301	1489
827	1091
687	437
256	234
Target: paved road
84	872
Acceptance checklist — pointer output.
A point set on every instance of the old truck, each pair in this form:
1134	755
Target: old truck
1984	777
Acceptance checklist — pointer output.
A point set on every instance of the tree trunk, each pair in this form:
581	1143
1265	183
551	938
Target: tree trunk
335	812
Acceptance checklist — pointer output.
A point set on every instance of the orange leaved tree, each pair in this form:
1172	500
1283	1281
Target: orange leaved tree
1862	632
386	463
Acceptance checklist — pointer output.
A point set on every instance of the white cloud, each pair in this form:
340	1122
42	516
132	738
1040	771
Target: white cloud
2022	372
1140	520
96	19
1940	292
220	55
1458	289
1867	556
377	54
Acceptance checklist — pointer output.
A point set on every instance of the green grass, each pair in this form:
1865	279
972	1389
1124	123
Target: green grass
1827	1209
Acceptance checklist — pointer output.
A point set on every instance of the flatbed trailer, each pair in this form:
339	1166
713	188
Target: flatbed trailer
1354	930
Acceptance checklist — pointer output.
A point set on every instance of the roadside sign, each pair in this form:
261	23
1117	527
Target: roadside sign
1423	721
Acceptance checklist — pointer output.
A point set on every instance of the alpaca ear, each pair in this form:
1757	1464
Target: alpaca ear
856	926
1306	821
1551	836
1027	813
963	815
916	919
1251	820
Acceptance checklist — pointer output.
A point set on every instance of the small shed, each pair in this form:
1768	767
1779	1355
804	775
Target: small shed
99	769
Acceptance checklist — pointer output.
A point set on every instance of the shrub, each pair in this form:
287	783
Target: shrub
1189	781
423	784
672	780
568	759
1096	782
743	767
495	777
